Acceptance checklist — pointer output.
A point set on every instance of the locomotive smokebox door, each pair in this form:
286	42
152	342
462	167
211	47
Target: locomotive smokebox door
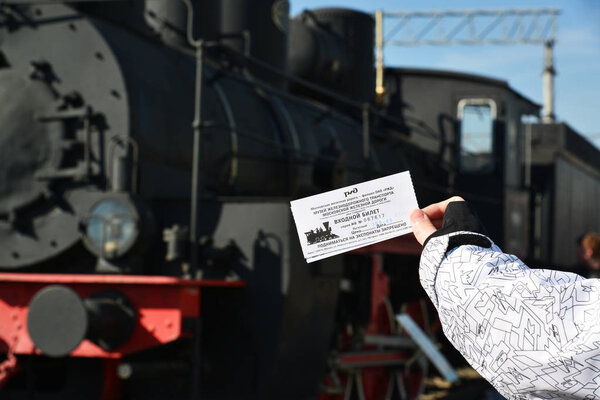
63	98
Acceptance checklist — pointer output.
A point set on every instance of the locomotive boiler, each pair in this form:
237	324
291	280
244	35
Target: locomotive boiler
148	153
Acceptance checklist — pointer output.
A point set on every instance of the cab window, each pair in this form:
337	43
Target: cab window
476	117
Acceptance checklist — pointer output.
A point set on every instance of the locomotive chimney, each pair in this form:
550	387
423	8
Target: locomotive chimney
169	19
333	47
258	28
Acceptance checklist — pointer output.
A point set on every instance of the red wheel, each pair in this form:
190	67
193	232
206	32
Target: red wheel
405	379
379	370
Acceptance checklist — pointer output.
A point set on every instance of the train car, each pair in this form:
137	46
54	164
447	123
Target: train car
474	125
148	154
565	190
535	185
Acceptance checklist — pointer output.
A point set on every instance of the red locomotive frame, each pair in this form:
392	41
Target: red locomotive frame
161	303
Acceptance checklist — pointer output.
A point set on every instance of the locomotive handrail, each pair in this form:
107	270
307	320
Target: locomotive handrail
276	144
309	85
200	44
359	106
249	135
290	97
312	156
121	140
196	185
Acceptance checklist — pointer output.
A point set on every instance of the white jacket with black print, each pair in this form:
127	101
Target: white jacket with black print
533	334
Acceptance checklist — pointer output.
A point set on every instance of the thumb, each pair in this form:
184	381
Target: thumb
421	225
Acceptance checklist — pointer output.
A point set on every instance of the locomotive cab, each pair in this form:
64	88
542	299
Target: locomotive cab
473	124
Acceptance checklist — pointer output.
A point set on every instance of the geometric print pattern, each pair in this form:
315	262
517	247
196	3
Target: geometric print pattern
532	333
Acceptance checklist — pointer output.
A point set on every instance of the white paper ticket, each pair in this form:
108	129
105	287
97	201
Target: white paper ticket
344	219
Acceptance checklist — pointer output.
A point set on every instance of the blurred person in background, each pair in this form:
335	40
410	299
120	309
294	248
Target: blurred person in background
588	255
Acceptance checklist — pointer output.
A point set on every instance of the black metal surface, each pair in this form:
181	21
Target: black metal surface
151	370
168	19
266	341
197	181
50	378
334	48
27	145
57	320
566	187
112	319
258	27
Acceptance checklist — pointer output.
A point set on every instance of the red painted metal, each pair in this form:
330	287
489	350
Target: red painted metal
379	318
375	379
161	304
378	368
111	390
8	367
361	359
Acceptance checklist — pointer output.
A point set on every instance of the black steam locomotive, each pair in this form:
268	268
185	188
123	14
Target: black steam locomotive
318	235
148	153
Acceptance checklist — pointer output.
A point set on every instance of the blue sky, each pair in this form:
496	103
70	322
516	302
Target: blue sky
576	55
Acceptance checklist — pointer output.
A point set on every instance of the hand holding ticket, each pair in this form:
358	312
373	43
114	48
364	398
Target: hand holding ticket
344	219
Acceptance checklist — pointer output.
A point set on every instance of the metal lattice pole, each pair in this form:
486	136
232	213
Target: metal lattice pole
472	27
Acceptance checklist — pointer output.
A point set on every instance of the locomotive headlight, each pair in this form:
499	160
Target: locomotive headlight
112	227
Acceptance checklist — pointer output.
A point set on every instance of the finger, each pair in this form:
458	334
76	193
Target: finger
421	225
437	223
436	211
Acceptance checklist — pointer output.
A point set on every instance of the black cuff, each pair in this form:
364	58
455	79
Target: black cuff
459	216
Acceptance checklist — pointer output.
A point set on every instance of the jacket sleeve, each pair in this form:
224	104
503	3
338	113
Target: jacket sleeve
534	334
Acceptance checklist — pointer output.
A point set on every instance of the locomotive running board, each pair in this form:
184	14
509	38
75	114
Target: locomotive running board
427	346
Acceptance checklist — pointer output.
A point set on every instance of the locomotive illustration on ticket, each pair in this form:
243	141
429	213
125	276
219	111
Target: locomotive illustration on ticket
344	219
